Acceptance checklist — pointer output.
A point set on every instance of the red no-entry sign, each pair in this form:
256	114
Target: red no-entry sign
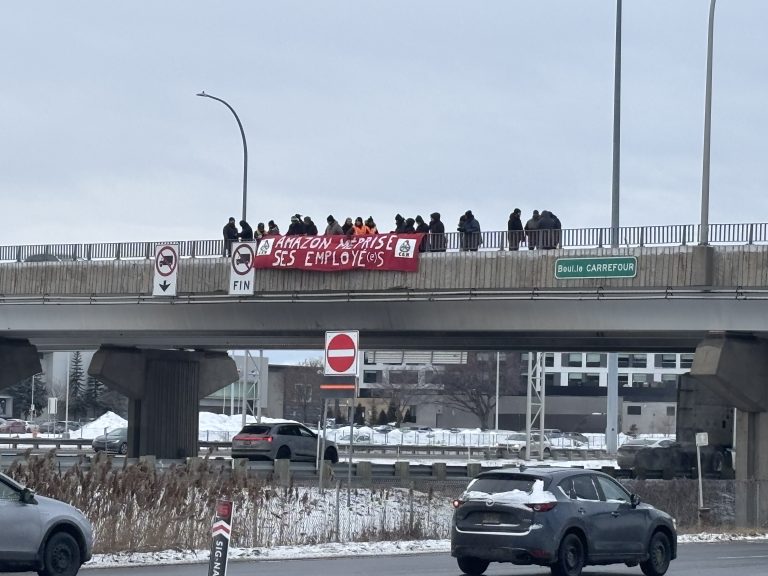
341	353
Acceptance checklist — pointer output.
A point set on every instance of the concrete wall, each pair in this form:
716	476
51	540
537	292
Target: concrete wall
723	266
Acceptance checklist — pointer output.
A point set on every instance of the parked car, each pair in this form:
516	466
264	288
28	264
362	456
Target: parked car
564	518
278	440
115	441
57	427
514	444
627	453
48	536
45	257
13	426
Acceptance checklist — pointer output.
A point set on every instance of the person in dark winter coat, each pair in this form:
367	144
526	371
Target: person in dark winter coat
309	227
437	240
547	231
514	230
399	224
409	228
422	228
472	231
531	230
231	234
348	228
558	228
297	226
246	232
333	228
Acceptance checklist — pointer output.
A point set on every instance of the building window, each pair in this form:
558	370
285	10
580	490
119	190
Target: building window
594	360
668	360
623	379
370	376
640	380
669	380
572	360
549	360
623	360
592	380
549	379
638	360
670	410
370	357
575	379
686	360
635	410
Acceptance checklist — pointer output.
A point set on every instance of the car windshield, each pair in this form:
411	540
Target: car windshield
495	483
11	482
256	429
117	433
516	436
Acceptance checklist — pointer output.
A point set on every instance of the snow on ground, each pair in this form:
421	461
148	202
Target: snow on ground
333	550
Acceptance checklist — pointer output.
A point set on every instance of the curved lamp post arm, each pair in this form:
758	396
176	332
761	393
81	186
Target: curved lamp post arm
245	148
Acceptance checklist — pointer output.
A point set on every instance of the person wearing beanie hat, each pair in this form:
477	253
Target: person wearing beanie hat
472	231
309	226
514	230
297	226
399	224
422	228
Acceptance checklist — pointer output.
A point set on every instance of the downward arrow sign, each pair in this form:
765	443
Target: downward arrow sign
165	285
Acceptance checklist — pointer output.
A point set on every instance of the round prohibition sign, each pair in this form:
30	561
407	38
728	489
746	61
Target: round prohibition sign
242	259
168	258
341	353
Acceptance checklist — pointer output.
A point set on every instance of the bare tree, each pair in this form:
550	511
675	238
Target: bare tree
403	389
302	390
471	387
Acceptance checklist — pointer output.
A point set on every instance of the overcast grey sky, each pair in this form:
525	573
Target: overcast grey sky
371	108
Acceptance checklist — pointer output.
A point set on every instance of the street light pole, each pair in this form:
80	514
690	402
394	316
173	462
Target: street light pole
704	228
245	147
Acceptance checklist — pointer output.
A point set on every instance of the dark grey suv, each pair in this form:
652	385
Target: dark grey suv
564	518
40	533
280	440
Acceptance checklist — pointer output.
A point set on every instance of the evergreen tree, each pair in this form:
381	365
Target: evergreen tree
21	392
77	400
92	397
382	419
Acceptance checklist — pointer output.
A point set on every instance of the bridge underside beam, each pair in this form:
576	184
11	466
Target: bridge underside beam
18	360
164	388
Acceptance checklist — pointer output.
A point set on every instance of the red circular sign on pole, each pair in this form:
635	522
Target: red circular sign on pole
341	353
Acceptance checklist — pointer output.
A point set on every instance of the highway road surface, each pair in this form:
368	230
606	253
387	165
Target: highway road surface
749	558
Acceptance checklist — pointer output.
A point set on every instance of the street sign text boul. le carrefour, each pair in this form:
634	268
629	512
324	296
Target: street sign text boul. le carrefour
608	267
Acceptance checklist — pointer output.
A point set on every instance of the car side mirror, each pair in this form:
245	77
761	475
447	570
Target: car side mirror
27	496
634	500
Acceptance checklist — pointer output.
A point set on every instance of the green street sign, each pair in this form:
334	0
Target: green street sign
608	267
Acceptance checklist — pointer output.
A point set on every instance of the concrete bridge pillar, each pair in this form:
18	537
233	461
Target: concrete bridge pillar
164	388
736	368
18	360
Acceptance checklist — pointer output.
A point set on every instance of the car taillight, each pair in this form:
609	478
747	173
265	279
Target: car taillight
252	438
456	503
542	507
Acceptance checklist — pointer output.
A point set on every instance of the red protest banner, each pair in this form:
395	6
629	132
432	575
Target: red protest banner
398	252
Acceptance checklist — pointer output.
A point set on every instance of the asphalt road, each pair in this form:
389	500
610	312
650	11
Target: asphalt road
712	559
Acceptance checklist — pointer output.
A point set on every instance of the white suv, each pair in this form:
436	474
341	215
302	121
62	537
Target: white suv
41	534
514	444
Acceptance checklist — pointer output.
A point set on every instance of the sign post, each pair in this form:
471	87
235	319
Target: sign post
241	271
166	267
220	531
702	439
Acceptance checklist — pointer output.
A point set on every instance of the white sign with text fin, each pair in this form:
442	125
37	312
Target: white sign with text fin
166	268
341	353
241	273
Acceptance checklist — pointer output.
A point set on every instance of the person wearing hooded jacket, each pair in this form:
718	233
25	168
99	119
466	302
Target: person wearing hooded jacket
547	231
531	230
297	226
437	240
310	229
409	228
472	231
231	234
514	230
246	232
333	228
399	224
422	228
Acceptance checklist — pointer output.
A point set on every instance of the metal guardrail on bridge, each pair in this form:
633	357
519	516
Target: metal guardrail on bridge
631	236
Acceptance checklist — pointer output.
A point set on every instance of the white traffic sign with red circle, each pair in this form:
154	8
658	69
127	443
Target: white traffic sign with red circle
166	269
341	353
241	275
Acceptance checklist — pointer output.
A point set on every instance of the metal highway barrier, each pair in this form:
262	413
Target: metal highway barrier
670	235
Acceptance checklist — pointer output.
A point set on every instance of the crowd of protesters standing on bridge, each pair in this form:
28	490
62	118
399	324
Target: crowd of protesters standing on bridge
541	231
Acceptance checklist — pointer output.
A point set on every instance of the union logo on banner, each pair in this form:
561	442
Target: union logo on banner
405	248
265	247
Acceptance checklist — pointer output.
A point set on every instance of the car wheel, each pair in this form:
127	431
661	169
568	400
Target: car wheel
331	455
283	453
472	566
659	556
570	557
61	556
123	448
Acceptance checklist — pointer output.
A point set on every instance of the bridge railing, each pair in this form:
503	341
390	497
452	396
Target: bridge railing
632	236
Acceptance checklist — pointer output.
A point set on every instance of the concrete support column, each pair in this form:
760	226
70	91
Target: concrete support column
752	469
164	388
18	360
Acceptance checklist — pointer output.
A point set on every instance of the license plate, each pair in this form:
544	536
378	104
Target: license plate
491	518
